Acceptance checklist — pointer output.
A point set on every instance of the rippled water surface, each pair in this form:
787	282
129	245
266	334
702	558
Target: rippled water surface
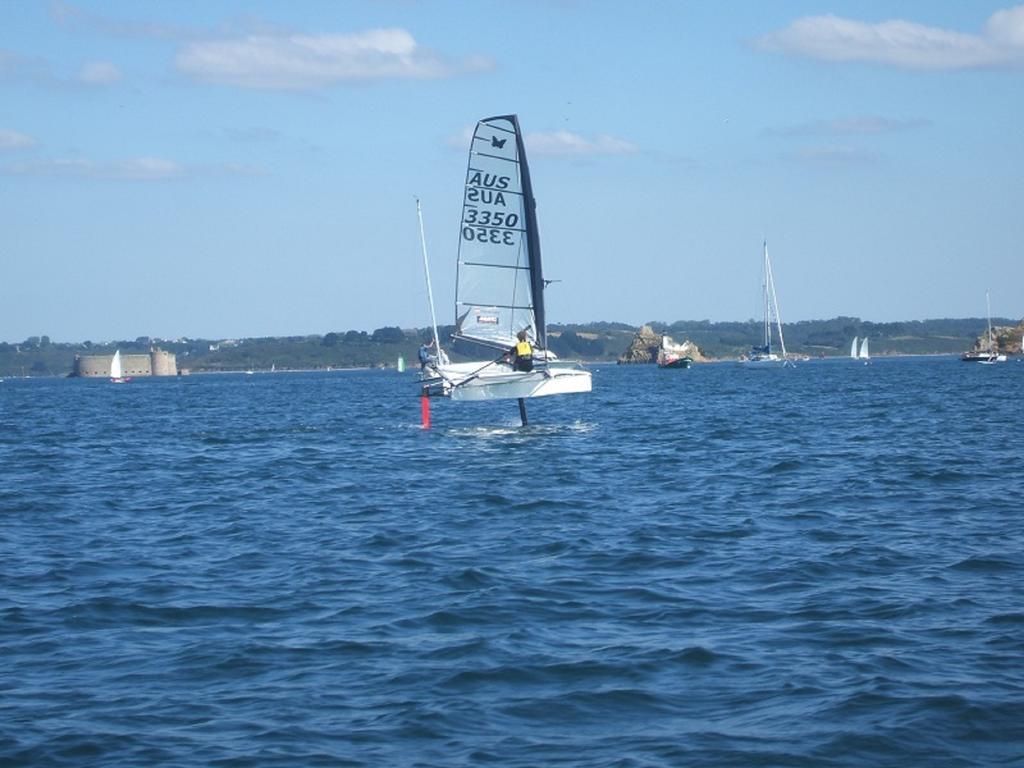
721	566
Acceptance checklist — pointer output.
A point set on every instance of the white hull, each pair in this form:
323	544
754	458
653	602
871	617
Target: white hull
466	381
763	359
985	358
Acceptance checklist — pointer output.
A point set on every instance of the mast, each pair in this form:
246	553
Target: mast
988	308
775	299
426	271
764	299
532	240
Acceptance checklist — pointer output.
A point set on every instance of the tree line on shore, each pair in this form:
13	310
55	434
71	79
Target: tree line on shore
597	341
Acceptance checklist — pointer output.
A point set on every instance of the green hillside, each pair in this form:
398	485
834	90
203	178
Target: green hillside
39	356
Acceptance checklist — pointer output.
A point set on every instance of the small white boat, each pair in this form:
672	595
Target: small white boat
864	354
500	282
853	348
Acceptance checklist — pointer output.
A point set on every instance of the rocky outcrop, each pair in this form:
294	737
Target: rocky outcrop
1008	339
646	344
644	347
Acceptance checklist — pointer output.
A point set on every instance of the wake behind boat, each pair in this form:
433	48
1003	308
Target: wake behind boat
499	294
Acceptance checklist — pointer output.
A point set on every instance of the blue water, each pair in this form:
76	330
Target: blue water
722	566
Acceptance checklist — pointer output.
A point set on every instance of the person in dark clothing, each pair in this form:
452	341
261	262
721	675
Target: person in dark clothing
426	358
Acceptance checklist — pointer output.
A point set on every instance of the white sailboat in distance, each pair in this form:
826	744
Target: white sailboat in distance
864	354
853	348
499	290
772	321
116	374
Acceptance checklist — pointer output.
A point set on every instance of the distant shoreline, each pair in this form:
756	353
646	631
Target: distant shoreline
591	343
412	369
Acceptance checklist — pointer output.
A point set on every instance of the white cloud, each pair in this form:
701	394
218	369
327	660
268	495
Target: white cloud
569	143
40	72
98	73
15	67
148	168
902	43
846	126
557	143
834	155
304	62
232	169
15	140
1007	27
82	19
461	140
137	169
133	169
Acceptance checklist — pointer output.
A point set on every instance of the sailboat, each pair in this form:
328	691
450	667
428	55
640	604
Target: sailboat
499	291
864	354
991	354
853	348
116	374
764	353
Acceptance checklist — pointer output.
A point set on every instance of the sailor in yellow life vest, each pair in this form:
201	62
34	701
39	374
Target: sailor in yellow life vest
521	355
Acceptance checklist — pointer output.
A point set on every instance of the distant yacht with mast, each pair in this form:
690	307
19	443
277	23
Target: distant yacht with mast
772	321
990	353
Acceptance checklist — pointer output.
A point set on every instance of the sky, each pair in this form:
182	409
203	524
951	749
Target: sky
231	169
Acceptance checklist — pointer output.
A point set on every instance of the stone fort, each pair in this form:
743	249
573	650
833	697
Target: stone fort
156	362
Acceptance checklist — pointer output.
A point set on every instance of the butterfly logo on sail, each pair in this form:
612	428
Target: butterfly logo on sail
496	142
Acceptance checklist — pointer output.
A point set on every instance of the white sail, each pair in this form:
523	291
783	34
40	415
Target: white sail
115	365
499	289
864	350
853	348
